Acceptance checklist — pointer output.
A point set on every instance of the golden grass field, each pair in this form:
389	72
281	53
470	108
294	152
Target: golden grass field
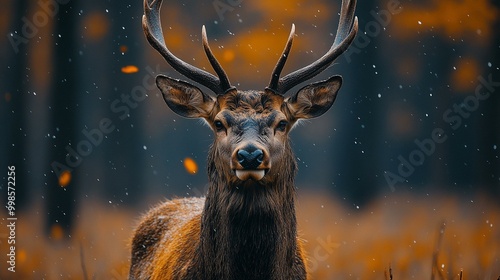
415	237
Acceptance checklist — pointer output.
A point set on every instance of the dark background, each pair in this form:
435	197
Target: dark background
61	72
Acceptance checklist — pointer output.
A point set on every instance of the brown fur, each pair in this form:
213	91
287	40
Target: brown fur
155	243
246	227
243	229
156	234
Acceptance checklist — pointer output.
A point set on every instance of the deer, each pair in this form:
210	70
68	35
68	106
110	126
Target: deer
246	226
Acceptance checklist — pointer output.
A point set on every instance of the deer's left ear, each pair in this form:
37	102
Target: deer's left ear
185	99
315	99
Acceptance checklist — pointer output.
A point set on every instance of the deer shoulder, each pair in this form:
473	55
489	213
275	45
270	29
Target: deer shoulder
172	226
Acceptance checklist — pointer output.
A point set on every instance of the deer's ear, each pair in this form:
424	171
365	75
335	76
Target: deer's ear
185	99
315	99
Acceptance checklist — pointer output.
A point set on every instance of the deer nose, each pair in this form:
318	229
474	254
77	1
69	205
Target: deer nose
250	158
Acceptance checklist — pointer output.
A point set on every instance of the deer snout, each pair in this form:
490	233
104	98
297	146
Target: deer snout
250	162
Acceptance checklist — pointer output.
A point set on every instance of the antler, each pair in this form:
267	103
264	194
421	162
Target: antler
346	32
152	28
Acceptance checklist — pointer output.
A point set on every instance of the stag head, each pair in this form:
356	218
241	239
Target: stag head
251	126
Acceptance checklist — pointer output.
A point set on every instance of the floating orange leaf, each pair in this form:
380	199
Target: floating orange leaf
130	69
123	49
190	165
64	178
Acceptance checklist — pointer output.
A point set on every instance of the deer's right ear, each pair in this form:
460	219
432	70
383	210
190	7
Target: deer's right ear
185	99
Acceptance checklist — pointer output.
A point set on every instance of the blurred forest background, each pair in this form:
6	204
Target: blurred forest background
413	136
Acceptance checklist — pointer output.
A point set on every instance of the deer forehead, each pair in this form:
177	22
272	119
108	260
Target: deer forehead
241	106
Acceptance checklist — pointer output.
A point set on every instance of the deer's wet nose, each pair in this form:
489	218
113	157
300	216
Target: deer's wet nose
250	159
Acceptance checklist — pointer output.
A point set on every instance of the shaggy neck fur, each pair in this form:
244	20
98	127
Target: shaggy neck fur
248	229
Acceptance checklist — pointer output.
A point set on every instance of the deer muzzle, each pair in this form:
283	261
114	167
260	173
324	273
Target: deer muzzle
250	162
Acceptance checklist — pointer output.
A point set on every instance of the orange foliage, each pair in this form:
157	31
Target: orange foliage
228	55
464	78
260	45
5	16
401	232
452	17
256	45
21	257
56	232
96	26
395	231
99	230
176	31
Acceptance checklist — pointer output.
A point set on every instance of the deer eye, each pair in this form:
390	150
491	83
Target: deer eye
219	126
282	126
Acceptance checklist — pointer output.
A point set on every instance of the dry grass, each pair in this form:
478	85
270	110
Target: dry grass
399	237
101	237
396	237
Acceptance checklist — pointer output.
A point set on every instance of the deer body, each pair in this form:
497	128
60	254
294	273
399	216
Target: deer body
241	230
246	226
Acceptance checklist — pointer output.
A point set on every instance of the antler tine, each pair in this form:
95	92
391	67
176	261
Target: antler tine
346	32
224	80
273	84
345	21
152	28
